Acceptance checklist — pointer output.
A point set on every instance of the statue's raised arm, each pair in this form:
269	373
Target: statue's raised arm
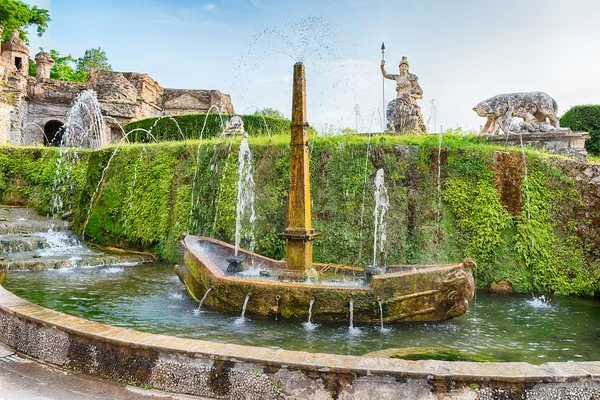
384	72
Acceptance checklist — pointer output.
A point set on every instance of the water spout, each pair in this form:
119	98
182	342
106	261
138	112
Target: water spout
351	314
308	325
241	319
362	209
245	195
383	330
382	204
203	298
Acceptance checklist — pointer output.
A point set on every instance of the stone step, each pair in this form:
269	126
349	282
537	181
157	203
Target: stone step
14	213
40	264
18	243
26	226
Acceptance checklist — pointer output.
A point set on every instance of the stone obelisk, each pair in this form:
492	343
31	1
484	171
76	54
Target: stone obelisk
299	233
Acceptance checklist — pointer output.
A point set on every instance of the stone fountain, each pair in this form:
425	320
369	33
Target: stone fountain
340	293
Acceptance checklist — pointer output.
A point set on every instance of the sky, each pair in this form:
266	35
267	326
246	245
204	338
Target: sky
462	51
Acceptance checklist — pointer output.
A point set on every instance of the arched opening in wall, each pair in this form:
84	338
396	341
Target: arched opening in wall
53	133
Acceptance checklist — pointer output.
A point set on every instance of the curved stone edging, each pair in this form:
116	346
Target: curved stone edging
234	371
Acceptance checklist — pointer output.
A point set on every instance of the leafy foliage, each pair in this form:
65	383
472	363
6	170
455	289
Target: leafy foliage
28	176
14	14
68	68
63	68
92	59
585	118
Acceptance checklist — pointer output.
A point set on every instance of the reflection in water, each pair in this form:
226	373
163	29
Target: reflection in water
150	298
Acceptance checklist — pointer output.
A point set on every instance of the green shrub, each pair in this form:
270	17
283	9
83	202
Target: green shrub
585	118
191	126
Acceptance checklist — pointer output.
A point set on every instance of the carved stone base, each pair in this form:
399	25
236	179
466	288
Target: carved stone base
571	144
404	117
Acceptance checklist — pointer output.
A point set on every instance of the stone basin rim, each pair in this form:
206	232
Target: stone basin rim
12	305
217	272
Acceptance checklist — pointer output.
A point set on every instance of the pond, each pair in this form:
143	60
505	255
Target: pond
150	298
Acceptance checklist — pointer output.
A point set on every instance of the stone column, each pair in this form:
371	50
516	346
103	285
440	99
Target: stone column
43	64
299	233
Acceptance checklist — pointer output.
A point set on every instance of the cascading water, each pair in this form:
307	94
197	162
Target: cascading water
362	208
351	306
308	325
382	204
197	311
245	195
383	330
351	329
242	319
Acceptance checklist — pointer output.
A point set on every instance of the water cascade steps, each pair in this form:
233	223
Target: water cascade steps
32	242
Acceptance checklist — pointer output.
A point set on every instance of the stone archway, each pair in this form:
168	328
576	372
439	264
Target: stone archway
53	133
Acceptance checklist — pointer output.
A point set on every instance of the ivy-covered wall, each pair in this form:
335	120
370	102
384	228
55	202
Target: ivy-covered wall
46	179
532	222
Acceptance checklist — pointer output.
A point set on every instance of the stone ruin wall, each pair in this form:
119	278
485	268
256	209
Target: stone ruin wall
4	107
12	103
48	100
181	101
28	103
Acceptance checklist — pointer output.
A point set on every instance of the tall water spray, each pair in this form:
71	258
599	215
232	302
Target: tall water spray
85	126
382	204
245	195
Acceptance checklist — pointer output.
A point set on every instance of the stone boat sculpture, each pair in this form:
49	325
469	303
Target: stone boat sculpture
406	293
292	289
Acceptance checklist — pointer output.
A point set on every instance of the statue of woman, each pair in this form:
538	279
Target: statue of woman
407	84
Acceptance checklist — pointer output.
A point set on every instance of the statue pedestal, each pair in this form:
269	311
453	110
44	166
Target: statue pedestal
566	143
404	117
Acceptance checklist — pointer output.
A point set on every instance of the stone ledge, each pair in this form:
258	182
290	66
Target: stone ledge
566	143
189	366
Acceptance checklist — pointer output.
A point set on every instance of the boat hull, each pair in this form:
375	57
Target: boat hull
425	293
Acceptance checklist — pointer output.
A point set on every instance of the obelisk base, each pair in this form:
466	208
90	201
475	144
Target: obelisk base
298	256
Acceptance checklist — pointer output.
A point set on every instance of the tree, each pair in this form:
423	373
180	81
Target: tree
14	14
67	68
93	59
62	69
270	112
586	118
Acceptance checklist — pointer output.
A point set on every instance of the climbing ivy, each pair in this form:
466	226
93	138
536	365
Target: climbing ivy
150	193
